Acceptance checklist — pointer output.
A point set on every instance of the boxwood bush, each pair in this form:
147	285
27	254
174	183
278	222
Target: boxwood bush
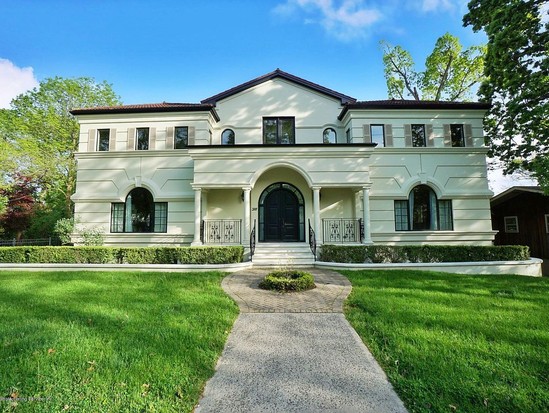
287	281
421	253
123	255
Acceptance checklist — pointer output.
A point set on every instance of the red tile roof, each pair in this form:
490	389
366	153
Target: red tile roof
411	104
147	107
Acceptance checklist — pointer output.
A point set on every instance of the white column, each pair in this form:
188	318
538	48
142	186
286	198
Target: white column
366	215
247	216
316	213
197	216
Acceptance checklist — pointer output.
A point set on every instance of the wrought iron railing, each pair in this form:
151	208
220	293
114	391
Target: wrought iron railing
221	231
252	241
342	230
312	240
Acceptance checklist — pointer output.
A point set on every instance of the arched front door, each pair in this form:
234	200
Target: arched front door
281	214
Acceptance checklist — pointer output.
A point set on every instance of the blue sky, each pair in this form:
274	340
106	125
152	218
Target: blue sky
185	51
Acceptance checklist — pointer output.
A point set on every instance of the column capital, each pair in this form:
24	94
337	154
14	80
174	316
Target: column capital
246	188
316	188
366	186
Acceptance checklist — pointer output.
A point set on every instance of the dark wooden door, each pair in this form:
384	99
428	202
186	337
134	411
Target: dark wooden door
281	216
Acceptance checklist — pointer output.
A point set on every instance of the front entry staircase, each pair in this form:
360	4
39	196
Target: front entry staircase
282	254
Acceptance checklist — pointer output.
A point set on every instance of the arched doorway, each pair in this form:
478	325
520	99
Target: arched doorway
281	214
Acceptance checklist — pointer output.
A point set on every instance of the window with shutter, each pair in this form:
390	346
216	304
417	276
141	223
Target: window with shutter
418	135
103	139
181	139
457	136
377	133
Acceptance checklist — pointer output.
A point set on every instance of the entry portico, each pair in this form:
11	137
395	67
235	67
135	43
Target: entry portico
281	189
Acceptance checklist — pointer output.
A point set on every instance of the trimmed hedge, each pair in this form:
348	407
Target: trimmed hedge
421	253
288	281
124	255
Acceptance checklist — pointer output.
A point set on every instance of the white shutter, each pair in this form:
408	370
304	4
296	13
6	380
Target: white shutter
91	140
191	136
366	134
447	135
131	139
430	135
468	133
170	137
408	135
112	140
152	139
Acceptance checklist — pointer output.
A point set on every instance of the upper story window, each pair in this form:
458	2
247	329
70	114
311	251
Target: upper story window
181	137
227	137
418	135
329	136
348	135
279	131
457	135
142	141
423	211
377	132
103	138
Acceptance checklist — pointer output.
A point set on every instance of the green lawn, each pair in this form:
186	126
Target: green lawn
109	341
455	342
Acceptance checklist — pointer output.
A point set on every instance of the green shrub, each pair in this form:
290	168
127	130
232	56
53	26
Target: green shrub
126	255
63	229
421	253
13	255
288	280
72	255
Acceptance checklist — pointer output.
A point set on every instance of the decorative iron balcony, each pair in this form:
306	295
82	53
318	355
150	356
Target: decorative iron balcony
221	231
342	230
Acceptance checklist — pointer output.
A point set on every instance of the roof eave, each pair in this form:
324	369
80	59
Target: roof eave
283	75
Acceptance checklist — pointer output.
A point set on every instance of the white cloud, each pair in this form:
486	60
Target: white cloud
343	19
436	5
14	80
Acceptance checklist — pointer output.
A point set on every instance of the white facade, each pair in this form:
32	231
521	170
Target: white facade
210	192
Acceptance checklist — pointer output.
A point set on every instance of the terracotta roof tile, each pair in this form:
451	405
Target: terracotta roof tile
147	107
411	104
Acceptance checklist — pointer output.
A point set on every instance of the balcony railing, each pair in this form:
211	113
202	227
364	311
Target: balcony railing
221	231
341	230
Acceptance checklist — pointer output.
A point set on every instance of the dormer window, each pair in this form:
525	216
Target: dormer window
279	131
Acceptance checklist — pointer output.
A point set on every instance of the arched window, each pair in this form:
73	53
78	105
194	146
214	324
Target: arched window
423	211
139	213
329	136
227	137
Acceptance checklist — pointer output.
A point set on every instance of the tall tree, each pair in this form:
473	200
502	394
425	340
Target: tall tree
450	72
42	135
517	81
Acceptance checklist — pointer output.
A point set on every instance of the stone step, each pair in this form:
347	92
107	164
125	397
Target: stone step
282	254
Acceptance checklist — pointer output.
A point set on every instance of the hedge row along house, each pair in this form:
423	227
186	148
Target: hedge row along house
280	161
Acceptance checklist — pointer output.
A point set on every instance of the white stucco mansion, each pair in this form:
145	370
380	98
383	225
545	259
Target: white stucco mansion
272	156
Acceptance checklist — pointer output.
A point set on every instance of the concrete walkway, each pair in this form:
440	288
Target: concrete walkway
295	353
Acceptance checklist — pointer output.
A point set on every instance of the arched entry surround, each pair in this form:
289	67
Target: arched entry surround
281	214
